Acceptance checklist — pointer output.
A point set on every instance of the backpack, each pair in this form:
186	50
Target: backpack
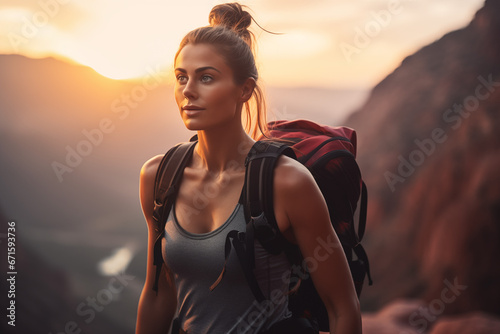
329	154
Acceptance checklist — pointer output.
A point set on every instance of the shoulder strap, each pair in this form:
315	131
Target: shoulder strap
261	162
166	186
358	248
258	190
362	212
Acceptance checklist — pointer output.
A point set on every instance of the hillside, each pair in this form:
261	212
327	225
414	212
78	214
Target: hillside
429	150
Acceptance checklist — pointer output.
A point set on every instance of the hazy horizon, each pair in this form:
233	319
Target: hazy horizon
325	44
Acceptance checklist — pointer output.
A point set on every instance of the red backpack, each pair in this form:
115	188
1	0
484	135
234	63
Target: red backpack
329	154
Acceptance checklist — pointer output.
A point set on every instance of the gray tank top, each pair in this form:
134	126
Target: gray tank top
196	261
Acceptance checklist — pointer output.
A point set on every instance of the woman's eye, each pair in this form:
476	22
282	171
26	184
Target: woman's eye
181	78
206	78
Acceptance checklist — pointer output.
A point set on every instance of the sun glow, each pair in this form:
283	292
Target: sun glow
119	41
125	42
123	39
121	65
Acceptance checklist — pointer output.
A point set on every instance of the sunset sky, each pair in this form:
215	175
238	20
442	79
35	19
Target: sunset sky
341	43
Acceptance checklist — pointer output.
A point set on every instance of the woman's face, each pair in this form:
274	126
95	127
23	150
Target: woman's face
205	91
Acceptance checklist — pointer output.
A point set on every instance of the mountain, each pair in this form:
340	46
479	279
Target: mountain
428	147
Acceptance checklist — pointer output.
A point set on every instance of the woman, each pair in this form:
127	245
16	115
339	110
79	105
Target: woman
216	79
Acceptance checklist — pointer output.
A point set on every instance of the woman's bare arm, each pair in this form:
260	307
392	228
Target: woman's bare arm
305	214
155	312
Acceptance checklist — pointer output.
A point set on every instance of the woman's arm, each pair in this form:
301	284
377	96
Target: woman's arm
301	209
155	312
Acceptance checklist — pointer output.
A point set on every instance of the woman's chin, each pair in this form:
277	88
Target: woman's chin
193	125
199	124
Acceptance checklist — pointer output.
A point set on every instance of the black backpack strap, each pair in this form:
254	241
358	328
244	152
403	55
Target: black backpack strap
361	254
362	212
258	190
358	248
261	162
166	186
237	240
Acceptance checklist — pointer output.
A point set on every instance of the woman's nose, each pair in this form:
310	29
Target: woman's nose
189	90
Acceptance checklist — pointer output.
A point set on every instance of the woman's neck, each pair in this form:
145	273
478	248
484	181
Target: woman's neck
218	150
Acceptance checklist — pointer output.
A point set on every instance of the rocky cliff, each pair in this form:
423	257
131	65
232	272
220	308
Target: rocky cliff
429	151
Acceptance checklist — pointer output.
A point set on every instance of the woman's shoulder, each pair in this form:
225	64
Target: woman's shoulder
151	166
148	173
146	184
297	198
291	175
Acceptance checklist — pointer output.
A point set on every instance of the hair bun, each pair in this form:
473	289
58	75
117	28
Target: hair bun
231	16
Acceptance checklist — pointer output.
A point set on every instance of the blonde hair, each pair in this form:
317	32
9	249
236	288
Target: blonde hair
228	30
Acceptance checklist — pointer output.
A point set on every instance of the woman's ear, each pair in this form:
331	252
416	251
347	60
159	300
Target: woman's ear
247	89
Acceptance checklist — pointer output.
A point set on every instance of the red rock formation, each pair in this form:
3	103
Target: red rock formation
429	151
409	317
474	323
393	318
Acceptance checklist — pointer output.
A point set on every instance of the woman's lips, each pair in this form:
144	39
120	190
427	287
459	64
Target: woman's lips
192	110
